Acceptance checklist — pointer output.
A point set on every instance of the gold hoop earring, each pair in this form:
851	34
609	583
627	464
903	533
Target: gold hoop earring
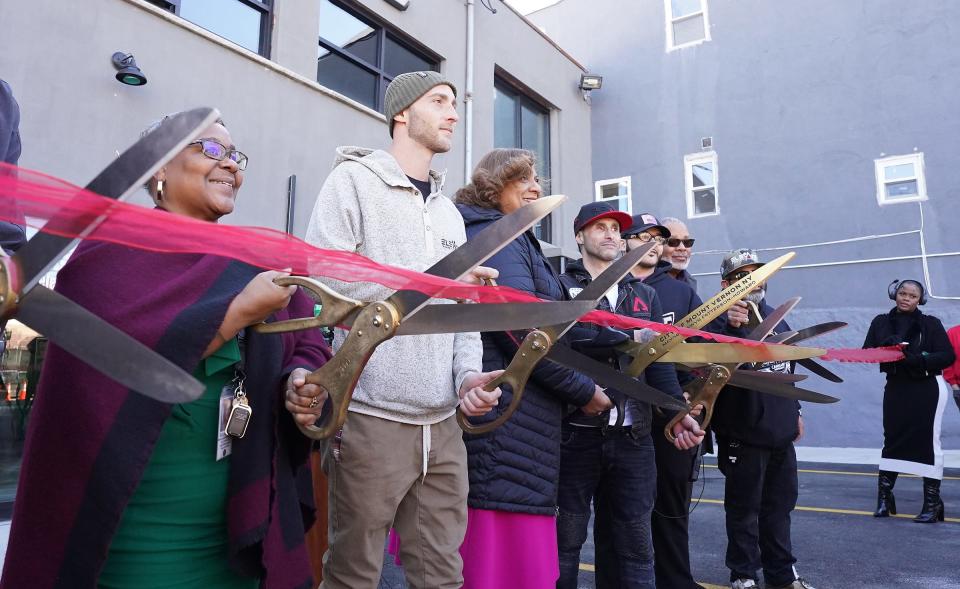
159	189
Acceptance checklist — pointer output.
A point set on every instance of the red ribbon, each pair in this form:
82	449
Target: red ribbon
55	206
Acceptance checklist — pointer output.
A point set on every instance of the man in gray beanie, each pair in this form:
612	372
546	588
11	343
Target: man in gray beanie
400	459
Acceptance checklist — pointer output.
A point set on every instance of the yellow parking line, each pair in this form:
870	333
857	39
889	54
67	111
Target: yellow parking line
585	566
833	510
850	472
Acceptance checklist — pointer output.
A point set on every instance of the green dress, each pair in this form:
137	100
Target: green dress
173	533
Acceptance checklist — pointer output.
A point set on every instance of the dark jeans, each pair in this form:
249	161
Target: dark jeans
616	469
668	522
760	493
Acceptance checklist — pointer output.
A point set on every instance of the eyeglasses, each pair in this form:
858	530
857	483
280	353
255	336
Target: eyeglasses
218	151
737	276
676	241
646	237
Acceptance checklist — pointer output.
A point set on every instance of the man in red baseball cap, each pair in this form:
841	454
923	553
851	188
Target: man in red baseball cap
602	461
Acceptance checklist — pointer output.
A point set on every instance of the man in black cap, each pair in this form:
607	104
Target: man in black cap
674	468
600	461
755	453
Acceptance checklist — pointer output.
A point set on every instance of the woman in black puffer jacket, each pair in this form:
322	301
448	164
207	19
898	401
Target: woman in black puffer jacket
511	531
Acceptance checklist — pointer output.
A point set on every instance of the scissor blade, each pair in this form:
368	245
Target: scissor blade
771	321
121	178
747	379
106	348
599	286
476	251
718	353
820	370
707	312
440	318
608	377
784	377
771	376
807	333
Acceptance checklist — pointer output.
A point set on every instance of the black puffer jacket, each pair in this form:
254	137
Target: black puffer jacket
516	466
634	299
755	418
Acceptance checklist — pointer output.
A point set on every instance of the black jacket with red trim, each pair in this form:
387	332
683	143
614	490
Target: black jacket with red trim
634	299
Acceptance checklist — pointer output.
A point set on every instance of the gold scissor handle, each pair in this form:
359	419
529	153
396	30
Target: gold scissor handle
376	323
334	307
533	348
705	393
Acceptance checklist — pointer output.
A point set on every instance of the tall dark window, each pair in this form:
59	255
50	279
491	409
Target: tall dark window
358	57
245	22
520	121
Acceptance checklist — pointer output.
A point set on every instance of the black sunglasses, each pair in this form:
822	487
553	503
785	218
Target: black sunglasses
737	276
676	241
217	151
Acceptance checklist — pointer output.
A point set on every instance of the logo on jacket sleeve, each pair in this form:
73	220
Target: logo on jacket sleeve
574	292
669	317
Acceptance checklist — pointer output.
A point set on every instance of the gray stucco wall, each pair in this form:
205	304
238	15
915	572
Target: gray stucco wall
800	98
76	116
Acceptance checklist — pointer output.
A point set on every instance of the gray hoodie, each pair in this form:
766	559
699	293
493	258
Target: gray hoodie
368	206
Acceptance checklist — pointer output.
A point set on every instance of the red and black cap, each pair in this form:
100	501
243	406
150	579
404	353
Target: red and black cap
593	211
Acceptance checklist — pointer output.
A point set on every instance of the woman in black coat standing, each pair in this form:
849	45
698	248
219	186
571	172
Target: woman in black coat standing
511	538
913	399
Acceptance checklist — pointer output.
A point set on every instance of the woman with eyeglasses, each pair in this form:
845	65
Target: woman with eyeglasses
914	398
511	538
118	490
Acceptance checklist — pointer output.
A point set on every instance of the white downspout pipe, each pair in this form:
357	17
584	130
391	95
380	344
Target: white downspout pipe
468	98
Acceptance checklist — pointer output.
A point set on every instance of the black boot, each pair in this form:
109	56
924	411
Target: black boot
886	504
932	504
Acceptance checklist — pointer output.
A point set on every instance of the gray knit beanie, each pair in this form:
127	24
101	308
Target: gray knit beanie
406	88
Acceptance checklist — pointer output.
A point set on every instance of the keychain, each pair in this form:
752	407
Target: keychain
240	413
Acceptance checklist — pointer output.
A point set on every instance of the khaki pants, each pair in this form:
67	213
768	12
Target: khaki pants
375	472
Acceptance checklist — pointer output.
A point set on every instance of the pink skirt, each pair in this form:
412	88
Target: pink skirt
505	550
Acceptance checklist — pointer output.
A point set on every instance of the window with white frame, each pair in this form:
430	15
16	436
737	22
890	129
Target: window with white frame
616	191
700	183
900	178
687	23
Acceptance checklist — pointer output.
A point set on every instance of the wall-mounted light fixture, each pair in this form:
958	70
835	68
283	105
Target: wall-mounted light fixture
590	82
127	71
399	4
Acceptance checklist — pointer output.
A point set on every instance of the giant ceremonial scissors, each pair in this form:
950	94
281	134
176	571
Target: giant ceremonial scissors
406	312
67	324
718	371
539	344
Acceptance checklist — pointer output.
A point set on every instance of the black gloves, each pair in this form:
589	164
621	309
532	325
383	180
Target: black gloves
914	361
